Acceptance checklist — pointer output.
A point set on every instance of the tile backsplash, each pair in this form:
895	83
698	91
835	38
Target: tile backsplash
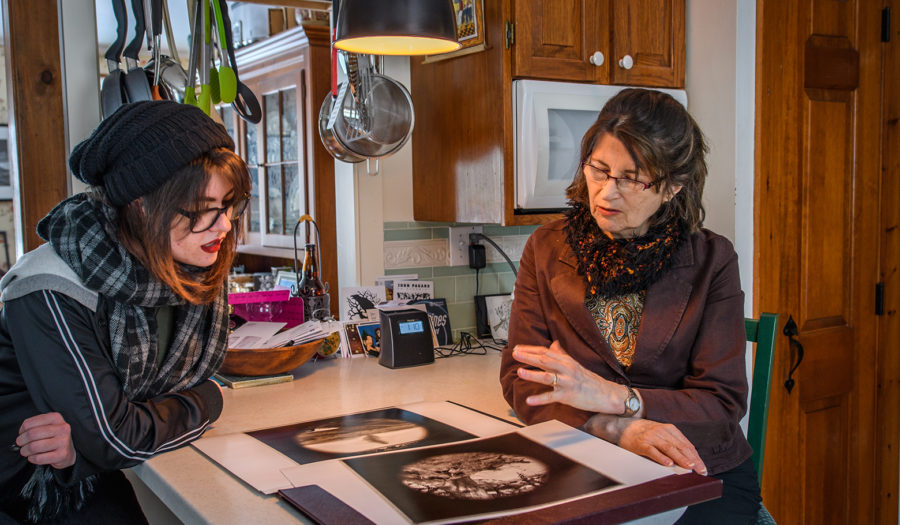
422	248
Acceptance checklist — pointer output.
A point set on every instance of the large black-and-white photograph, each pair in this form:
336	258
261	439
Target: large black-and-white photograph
355	434
496	474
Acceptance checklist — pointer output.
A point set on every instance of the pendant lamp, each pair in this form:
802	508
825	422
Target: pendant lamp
396	27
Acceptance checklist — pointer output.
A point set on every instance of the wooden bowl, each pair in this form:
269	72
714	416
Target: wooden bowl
267	361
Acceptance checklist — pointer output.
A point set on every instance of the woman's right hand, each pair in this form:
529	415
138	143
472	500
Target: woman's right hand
661	442
46	439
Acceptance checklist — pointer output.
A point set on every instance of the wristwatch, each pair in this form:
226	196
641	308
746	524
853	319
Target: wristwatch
632	403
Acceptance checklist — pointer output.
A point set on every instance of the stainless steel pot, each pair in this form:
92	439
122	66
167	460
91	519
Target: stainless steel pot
373	117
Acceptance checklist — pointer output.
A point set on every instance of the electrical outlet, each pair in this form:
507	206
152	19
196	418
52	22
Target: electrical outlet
459	244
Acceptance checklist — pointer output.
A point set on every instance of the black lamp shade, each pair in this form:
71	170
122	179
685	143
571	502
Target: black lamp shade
396	27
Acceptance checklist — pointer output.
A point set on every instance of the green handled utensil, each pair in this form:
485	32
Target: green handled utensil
214	96
203	101
190	96
227	78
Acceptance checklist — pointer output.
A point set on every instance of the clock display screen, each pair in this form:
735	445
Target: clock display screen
411	327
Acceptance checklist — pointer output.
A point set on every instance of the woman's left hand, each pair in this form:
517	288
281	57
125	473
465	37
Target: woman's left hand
571	383
46	439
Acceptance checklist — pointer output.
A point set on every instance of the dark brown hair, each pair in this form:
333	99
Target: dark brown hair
664	142
145	226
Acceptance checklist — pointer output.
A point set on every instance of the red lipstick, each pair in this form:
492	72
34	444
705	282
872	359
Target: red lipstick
212	247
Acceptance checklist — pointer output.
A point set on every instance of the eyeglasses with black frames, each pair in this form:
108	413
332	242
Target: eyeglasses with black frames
203	220
623	184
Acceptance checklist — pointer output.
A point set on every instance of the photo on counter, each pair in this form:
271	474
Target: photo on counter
357	301
355	434
413	290
370	335
352	340
483	316
479	477
498	308
440	319
388	282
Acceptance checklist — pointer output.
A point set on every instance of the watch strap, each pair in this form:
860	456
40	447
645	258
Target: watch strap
628	412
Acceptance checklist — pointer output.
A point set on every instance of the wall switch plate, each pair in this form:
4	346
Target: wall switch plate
459	244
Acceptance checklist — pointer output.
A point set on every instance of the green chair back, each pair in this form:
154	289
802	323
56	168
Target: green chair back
762	332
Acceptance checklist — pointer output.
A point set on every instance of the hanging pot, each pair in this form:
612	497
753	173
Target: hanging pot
370	117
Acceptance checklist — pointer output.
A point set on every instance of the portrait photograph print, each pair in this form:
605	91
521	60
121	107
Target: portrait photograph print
355	434
490	475
370	335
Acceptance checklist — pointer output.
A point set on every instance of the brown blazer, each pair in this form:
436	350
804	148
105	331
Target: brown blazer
689	362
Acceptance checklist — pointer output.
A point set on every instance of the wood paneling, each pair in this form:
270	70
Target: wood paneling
35	109
462	109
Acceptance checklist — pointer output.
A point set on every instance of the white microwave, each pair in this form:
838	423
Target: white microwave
550	119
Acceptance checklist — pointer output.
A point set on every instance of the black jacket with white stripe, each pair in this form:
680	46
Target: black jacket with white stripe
55	357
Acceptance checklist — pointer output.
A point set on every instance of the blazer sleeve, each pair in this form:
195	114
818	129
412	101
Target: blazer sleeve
66	370
713	395
528	326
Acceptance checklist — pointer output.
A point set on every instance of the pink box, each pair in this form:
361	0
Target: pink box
270	305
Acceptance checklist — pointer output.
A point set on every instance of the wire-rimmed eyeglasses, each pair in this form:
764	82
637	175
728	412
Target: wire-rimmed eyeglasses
623	184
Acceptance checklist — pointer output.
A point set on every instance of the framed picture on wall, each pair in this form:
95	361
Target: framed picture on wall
469	29
5	187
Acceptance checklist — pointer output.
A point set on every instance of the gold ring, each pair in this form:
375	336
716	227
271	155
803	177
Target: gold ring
555	379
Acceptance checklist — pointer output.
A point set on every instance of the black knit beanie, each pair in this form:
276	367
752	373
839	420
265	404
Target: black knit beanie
135	150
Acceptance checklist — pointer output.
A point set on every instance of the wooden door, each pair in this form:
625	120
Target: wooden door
556	38
651	34
818	131
888	397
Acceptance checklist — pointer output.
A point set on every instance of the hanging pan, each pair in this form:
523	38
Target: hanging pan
137	86
369	117
112	93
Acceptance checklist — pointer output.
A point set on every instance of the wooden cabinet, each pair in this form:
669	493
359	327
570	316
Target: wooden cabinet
463	139
629	42
292	172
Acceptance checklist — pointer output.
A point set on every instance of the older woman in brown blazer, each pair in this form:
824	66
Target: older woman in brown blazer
628	316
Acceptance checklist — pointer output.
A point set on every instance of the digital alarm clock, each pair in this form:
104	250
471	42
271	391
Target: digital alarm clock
406	339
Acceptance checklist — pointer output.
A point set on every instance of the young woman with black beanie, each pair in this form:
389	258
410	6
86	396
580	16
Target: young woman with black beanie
110	331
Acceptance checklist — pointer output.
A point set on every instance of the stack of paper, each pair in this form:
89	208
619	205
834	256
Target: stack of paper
267	335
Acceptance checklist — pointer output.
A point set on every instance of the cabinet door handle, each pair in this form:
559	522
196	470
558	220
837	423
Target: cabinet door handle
626	62
597	58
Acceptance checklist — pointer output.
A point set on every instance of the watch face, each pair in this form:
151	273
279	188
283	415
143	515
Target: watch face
633	403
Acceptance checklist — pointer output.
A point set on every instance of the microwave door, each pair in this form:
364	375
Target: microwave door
560	159
548	157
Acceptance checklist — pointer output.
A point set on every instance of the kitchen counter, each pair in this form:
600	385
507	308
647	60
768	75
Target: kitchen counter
198	490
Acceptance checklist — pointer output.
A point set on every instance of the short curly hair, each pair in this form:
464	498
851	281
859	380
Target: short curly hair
664	141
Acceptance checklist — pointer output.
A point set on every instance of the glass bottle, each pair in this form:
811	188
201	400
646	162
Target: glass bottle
316	302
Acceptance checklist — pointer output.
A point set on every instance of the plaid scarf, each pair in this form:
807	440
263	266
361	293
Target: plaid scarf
614	267
82	230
